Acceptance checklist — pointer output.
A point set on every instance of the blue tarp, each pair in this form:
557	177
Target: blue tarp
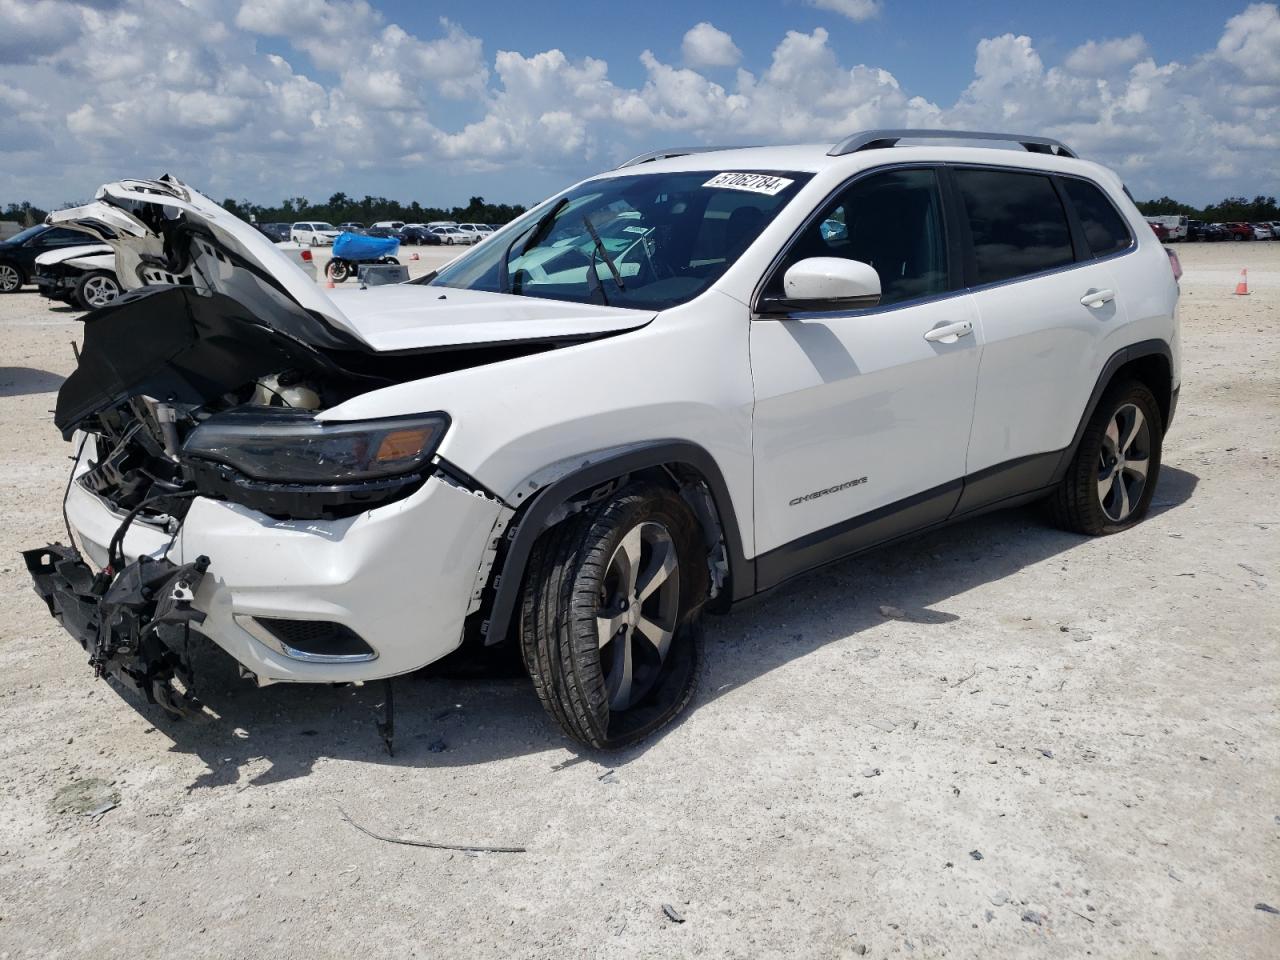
356	246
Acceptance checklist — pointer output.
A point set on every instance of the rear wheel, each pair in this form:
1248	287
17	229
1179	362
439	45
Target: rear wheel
1111	479
96	290
10	278
610	628
337	270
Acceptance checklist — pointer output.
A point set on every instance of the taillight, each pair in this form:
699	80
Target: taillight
1174	263
306	254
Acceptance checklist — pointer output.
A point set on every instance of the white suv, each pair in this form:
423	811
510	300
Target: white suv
668	388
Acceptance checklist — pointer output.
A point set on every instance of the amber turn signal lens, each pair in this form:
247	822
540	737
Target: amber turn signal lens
403	444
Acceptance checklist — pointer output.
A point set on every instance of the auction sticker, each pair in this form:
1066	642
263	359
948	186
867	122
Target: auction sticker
751	182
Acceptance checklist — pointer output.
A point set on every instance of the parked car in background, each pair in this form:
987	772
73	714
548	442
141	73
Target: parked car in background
451	235
389	224
1239	231
1203	232
352	226
559	464
1159	229
477	231
18	254
418	234
276	232
1275	229
1262	231
384	232
85	275
1175	226
314	233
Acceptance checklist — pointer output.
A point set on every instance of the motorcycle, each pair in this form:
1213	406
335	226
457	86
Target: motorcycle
353	250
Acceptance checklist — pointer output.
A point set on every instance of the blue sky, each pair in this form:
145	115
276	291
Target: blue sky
261	99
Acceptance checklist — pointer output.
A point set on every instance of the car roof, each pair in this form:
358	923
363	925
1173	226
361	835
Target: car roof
880	148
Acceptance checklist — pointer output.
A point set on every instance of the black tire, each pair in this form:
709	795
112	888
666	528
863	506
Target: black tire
97	289
11	278
1079	503
566	590
337	270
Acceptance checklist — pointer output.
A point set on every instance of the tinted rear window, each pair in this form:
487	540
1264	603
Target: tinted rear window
1017	222
1104	228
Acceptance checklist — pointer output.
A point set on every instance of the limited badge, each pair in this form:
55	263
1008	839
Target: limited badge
764	183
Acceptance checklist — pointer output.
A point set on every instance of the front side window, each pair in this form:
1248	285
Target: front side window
1016	221
648	241
892	221
1104	229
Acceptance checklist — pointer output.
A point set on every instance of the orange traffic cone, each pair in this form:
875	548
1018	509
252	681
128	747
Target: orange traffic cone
1242	288
329	285
414	256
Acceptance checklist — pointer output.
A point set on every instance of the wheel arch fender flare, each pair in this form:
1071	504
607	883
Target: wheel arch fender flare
546	508
1118	360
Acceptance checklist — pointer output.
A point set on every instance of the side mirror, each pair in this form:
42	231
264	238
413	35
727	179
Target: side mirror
826	283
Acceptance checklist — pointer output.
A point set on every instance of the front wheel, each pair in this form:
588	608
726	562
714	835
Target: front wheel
610	628
97	290
337	270
1111	479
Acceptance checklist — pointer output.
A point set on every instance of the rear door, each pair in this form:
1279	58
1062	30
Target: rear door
862	417
1047	306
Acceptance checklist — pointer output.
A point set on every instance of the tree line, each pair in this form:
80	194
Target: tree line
339	208
1230	210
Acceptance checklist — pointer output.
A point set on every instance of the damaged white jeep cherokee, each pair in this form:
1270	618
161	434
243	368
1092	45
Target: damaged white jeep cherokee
664	390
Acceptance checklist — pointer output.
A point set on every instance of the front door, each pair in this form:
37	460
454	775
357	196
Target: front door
862	418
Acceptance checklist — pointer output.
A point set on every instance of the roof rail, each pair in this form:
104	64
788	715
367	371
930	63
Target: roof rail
878	139
668	154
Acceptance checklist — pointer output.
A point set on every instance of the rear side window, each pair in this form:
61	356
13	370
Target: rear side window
1104	228
1016	221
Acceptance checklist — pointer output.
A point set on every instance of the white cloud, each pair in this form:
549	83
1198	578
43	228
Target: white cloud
141	87
1251	42
706	46
855	10
1096	58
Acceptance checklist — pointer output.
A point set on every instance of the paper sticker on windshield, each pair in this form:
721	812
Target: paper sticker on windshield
751	182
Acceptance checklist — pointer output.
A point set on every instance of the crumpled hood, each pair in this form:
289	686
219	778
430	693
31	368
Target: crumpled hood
410	316
163	232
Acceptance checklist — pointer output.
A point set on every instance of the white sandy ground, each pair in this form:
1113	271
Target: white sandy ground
1147	665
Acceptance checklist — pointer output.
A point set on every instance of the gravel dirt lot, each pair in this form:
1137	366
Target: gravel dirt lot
1052	747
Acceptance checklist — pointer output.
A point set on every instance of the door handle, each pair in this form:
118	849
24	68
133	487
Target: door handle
950	332
1096	298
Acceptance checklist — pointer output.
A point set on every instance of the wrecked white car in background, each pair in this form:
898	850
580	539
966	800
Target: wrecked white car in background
666	389
83	276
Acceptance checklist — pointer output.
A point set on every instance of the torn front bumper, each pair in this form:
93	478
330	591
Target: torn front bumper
125	622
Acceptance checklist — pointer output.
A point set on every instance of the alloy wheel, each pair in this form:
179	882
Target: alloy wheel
99	291
1123	462
10	279
638	614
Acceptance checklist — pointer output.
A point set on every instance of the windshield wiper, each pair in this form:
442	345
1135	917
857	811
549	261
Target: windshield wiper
604	255
534	238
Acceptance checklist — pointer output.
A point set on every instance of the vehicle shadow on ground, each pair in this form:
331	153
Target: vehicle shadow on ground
453	722
21	381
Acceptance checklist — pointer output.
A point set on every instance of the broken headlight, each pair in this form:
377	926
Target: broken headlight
291	446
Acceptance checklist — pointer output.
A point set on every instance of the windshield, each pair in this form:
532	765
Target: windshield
28	233
323	226
648	241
